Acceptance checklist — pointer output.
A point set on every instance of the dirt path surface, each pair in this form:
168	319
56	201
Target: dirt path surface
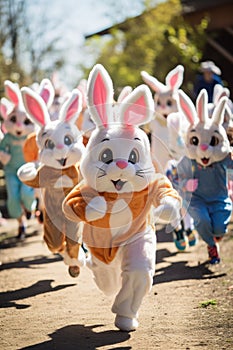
42	308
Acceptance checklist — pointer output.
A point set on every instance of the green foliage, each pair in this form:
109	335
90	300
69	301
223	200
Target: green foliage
205	304
156	42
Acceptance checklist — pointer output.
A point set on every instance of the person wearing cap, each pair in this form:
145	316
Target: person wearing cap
209	77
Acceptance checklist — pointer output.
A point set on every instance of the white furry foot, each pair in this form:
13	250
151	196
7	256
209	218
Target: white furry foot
125	323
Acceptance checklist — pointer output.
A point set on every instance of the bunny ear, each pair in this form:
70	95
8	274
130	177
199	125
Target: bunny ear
35	107
187	107
174	79
100	95
6	107
46	91
138	107
82	87
152	82
12	92
218	114
72	107
202	106
227	115
124	93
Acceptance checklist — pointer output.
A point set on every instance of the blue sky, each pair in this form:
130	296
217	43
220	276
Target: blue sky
76	18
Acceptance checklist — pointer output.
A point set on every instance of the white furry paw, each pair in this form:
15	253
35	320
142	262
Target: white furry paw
27	172
168	211
125	323
96	208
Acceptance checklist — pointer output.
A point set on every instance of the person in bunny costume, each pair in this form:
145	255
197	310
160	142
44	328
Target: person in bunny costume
167	144
16	125
165	102
60	149
203	171
119	196
30	149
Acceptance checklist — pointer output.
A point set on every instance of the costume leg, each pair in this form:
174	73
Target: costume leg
27	197
107	276
53	237
75	255
138	266
13	196
220	216
202	221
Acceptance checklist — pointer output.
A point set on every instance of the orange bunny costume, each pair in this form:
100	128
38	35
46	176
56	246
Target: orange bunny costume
61	147
119	196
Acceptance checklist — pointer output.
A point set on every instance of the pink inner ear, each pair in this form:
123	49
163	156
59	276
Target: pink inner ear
3	110
100	98
35	109
200	109
12	95
173	80
73	108
135	113
45	95
186	110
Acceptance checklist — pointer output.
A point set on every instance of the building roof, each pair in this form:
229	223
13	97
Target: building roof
190	8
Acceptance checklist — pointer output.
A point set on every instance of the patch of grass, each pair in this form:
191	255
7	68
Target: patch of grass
207	303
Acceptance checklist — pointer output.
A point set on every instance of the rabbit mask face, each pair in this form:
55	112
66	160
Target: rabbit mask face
165	97
118	160
59	141
165	103
60	145
118	153
16	121
206	138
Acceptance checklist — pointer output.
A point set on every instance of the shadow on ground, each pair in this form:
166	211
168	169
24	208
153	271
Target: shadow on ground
181	270
78	336
10	240
9	298
30	262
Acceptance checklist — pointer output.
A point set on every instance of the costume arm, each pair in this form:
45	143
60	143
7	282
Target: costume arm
84	204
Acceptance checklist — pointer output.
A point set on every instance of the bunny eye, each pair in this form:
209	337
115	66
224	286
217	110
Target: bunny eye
194	141
106	156
68	140
27	121
214	141
134	156
13	119
169	103
49	144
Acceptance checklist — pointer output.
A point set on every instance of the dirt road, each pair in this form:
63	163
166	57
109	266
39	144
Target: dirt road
190	306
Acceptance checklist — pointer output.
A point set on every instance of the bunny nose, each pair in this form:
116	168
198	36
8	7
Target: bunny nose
59	146
204	146
121	164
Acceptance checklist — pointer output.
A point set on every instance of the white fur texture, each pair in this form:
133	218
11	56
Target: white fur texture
206	139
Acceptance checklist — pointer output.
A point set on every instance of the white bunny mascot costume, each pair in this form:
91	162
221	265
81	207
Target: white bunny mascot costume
203	172
116	198
165	102
60	149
